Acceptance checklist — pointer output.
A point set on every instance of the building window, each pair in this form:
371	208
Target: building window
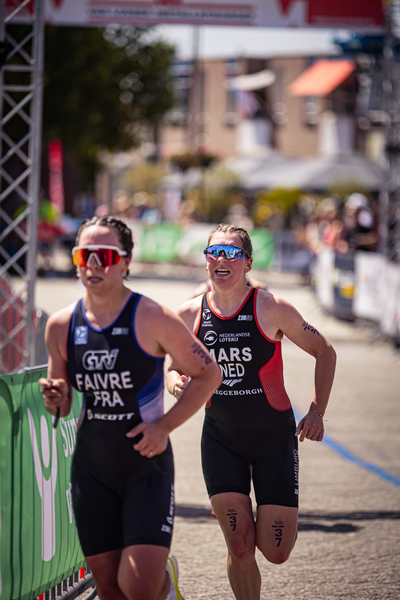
183	79
343	99
311	110
231	70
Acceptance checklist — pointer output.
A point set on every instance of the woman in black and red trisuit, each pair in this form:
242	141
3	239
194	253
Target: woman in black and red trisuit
249	428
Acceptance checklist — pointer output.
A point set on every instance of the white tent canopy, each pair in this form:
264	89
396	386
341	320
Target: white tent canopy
254	81
317	173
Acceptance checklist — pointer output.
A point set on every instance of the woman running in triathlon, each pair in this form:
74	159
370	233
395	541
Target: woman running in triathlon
249	428
111	346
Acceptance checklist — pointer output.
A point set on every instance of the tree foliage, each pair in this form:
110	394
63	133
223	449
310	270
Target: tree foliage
145	178
216	193
102	87
342	189
277	201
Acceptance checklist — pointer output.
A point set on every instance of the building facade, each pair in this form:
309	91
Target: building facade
257	106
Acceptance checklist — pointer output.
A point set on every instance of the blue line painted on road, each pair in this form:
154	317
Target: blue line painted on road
344	453
347	455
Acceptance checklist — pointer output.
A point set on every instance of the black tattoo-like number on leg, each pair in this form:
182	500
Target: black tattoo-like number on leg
232	514
278	531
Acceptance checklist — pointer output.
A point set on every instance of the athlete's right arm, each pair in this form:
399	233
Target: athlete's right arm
175	379
56	389
161	332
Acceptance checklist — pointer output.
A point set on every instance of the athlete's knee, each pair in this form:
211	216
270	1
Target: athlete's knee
278	554
135	593
145	589
240	548
135	590
108	590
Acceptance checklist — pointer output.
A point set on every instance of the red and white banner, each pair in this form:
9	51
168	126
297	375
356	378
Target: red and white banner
56	179
364	15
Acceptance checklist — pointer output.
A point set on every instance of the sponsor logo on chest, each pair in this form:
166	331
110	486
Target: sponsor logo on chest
97	360
210	337
120	331
81	335
206	318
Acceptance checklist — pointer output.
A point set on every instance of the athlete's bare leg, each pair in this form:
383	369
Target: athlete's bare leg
104	568
235	516
134	573
276	528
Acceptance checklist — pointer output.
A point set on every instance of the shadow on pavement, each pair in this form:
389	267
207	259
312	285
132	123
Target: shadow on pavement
193	512
353	516
343	522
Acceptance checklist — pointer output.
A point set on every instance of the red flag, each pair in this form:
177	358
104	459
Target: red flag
56	180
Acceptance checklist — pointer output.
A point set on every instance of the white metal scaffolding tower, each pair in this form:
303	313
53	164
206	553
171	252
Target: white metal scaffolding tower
22	43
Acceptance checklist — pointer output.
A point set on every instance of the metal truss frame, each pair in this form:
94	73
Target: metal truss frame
390	195
21	73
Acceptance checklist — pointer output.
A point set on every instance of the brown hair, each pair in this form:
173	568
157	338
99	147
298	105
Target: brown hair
123	232
239	231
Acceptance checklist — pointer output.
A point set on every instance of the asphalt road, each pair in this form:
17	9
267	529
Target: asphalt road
349	531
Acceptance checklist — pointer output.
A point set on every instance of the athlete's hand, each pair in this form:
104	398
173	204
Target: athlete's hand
180	386
154	438
55	394
311	427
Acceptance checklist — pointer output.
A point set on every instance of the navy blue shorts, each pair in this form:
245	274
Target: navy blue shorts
113	515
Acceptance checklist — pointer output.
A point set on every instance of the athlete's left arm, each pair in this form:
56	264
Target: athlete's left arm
160	332
288	321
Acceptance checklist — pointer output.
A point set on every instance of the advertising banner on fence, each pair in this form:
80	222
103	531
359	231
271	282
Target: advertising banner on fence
344	286
368	297
39	545
324	274
357	14
167	242
390	318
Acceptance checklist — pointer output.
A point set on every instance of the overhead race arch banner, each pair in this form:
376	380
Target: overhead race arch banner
365	15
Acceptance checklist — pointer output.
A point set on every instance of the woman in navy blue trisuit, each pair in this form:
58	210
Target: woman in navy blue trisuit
111	345
249	430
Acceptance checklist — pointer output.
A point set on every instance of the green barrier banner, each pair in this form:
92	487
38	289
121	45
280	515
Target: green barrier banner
159	243
39	545
263	248
167	242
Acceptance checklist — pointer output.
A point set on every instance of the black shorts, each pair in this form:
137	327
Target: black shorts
139	510
274	472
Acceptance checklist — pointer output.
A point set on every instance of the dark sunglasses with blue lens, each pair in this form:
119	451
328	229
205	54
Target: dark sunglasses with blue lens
229	251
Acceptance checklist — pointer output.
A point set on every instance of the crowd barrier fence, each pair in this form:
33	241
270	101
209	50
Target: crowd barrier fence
167	242
39	546
361	285
12	330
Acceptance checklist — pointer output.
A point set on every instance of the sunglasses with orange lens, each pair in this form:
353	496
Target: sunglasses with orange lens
105	256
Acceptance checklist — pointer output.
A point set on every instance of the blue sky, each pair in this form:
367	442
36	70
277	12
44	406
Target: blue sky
223	42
